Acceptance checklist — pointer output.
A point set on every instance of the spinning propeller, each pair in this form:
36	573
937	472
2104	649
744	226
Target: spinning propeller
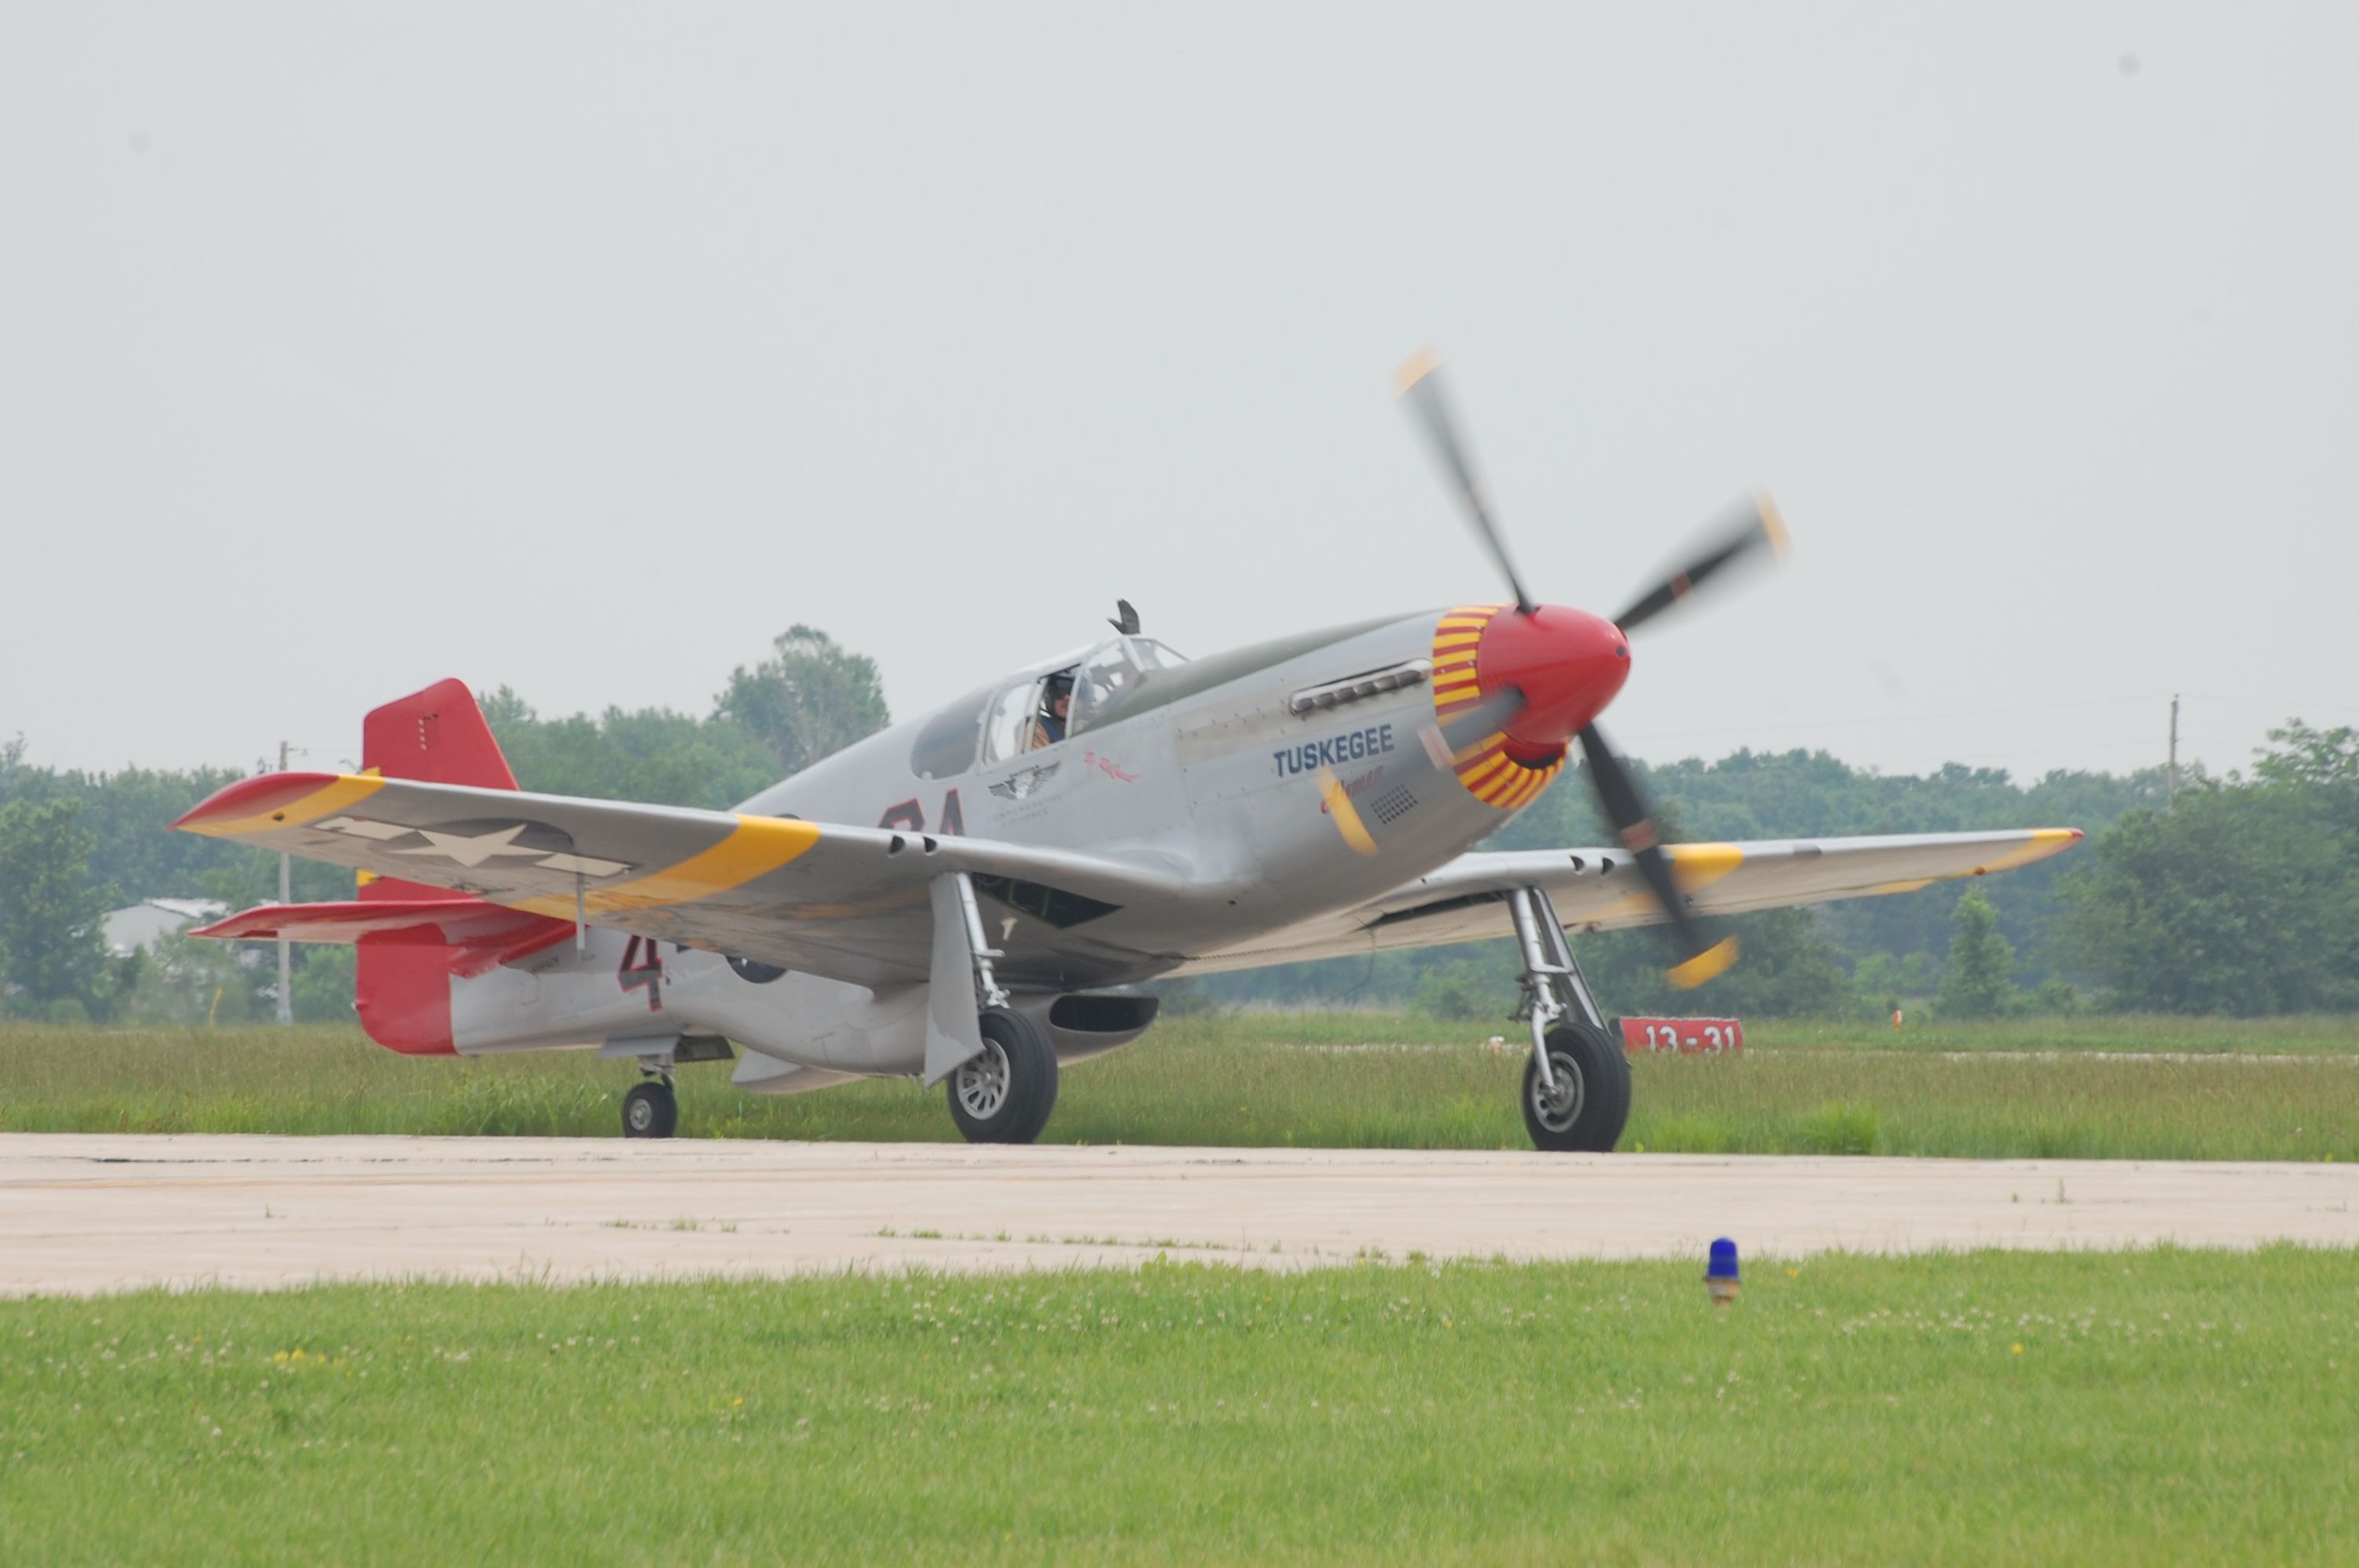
1546	672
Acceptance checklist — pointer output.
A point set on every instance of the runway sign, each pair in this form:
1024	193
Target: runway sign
1688	1036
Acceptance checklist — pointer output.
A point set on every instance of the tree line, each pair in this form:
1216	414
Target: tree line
75	844
2237	896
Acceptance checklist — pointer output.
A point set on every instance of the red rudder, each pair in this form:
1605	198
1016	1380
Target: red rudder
436	736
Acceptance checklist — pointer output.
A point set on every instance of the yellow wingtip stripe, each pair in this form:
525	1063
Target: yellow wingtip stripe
302	811
2044	842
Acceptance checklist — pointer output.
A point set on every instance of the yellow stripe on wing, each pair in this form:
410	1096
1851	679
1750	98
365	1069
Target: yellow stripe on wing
325	802
754	847
1693	867
1696	866
2044	842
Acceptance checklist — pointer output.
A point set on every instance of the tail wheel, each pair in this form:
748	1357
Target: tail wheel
1005	1094
650	1111
1590	1102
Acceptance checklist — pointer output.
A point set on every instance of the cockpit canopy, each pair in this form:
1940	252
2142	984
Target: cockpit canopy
1026	716
1022	716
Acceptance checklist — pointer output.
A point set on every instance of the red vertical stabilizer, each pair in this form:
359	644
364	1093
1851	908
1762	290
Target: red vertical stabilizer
436	736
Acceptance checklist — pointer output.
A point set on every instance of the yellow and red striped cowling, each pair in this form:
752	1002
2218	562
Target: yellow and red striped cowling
1484	768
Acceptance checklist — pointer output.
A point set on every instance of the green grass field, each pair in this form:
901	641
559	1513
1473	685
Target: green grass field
2279	1089
2095	1408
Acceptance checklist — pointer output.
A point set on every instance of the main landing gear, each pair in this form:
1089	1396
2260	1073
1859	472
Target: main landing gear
651	1109
1004	1092
1005	1095
1577	1084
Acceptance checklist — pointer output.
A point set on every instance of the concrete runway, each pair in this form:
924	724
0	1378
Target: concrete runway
83	1214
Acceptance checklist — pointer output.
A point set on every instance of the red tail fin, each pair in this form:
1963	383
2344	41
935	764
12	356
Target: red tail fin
436	736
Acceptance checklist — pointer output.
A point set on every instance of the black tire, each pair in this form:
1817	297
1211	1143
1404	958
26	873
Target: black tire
650	1111
1005	1095
1592	1100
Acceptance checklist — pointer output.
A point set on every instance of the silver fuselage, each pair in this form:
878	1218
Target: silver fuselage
1206	772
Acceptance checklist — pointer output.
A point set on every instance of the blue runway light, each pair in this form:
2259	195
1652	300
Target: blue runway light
1720	1276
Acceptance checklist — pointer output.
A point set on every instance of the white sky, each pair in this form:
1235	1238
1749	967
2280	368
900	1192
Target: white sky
584	348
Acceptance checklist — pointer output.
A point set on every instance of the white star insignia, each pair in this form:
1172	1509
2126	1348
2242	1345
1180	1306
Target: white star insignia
472	851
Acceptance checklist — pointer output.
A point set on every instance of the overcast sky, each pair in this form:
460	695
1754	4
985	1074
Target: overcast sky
585	349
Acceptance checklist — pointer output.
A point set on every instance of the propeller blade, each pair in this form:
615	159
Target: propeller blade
1617	791
1753	526
1482	720
1419	382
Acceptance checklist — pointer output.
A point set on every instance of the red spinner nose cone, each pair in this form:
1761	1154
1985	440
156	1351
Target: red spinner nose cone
1567	664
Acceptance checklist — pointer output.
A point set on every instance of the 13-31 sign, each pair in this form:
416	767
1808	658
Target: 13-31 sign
1688	1036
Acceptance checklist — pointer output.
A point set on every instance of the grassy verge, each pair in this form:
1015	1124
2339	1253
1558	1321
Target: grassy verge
2132	1407
2301	1035
2120	1088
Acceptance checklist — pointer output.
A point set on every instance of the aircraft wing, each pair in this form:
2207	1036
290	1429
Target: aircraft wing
1600	890
851	904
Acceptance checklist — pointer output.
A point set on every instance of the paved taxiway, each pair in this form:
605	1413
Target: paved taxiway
84	1214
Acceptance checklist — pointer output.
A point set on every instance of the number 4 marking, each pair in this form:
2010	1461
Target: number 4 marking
643	971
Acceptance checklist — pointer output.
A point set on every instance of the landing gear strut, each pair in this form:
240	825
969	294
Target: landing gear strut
651	1109
1577	1085
1004	1092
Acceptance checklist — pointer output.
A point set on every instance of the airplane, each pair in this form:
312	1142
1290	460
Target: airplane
1045	845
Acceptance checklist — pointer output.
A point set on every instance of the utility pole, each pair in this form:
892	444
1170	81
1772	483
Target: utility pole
286	949
2170	777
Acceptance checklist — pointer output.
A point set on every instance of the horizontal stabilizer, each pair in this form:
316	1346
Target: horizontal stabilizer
482	935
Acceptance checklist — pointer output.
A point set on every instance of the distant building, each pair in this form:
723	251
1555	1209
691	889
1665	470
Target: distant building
138	925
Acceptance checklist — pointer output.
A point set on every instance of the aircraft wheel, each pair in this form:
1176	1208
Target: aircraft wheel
1591	1100
650	1111
1005	1095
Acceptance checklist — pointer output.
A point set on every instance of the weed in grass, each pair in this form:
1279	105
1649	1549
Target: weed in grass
1838	1129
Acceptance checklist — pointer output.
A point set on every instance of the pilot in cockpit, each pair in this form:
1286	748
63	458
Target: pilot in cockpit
1056	710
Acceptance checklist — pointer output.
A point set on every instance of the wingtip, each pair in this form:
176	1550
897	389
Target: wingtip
247	799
